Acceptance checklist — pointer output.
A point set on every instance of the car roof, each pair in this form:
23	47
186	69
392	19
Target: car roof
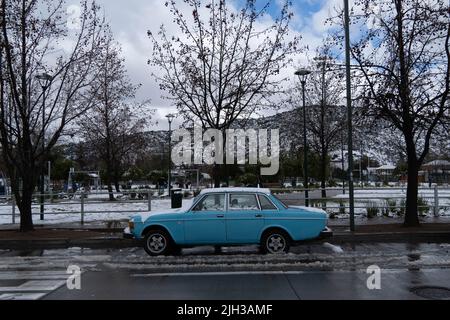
240	189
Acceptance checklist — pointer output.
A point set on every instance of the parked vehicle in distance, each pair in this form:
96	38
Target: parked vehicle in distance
228	216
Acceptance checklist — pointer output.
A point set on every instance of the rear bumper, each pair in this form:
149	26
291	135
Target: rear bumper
127	234
326	233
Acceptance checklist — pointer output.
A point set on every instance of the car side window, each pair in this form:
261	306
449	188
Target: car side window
211	202
265	203
243	202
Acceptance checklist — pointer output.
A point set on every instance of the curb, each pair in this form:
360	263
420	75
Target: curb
119	242
400	237
95	243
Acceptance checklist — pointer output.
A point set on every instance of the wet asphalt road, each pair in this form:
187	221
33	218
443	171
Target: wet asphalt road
315	271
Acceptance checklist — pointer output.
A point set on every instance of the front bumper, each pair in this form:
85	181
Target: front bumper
127	233
326	233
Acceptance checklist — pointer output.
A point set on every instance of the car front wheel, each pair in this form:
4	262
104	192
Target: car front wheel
275	241
157	242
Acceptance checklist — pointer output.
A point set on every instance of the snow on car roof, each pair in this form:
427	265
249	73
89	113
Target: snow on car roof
231	189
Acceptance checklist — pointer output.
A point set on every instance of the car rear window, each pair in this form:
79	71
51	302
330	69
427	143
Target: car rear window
265	203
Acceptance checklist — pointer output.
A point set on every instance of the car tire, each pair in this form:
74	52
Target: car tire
275	242
157	242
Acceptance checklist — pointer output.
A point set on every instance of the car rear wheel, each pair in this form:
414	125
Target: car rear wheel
157	242
275	241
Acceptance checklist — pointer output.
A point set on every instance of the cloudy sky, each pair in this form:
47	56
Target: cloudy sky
131	19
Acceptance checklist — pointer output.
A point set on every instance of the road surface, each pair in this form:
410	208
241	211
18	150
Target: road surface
315	271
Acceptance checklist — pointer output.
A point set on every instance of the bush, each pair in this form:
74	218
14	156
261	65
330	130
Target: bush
372	210
390	207
402	207
422	206
341	207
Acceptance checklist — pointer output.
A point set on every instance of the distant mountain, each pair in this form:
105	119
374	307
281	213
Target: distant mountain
382	144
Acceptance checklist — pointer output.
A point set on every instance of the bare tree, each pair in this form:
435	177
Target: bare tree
113	124
30	33
224	63
403	55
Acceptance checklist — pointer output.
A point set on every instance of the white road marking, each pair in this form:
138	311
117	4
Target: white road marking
32	275
22	296
35	285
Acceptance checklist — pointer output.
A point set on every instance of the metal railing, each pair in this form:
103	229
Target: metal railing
439	198
81	200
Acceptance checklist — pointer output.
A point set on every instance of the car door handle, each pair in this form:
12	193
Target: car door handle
258	215
220	216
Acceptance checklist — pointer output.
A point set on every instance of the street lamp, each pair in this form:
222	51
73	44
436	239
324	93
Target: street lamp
44	80
170	118
302	75
349	116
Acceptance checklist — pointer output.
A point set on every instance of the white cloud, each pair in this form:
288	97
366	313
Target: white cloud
130	20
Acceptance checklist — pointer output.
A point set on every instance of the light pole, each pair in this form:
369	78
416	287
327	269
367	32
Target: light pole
302	75
349	116
44	79
170	118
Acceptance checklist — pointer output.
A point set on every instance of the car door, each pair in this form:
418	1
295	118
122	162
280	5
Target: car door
244	218
205	222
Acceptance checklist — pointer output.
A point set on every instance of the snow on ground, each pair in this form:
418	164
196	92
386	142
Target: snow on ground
389	201
69	211
98	208
333	248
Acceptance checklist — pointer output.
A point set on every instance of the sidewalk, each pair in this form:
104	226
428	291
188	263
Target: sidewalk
107	235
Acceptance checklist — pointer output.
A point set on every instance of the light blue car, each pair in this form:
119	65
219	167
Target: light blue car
228	216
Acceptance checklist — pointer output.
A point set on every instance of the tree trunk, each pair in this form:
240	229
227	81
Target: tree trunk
323	173
109	182
411	215
26	218
116	180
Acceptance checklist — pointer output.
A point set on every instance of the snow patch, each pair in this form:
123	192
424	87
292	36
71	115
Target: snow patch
334	248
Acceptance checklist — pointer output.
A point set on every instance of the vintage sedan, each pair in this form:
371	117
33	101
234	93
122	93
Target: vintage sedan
228	216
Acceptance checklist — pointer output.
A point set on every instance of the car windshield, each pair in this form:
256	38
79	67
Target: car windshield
280	201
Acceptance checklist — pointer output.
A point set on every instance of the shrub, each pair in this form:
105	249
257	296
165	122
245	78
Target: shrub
402	207
422	206
341	207
372	210
390	207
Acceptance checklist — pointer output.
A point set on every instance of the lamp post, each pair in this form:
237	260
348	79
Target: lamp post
302	75
170	118
349	115
45	80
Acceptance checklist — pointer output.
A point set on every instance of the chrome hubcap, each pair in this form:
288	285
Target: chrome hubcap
156	243
276	243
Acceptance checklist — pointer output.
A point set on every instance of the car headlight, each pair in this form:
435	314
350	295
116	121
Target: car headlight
131	224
